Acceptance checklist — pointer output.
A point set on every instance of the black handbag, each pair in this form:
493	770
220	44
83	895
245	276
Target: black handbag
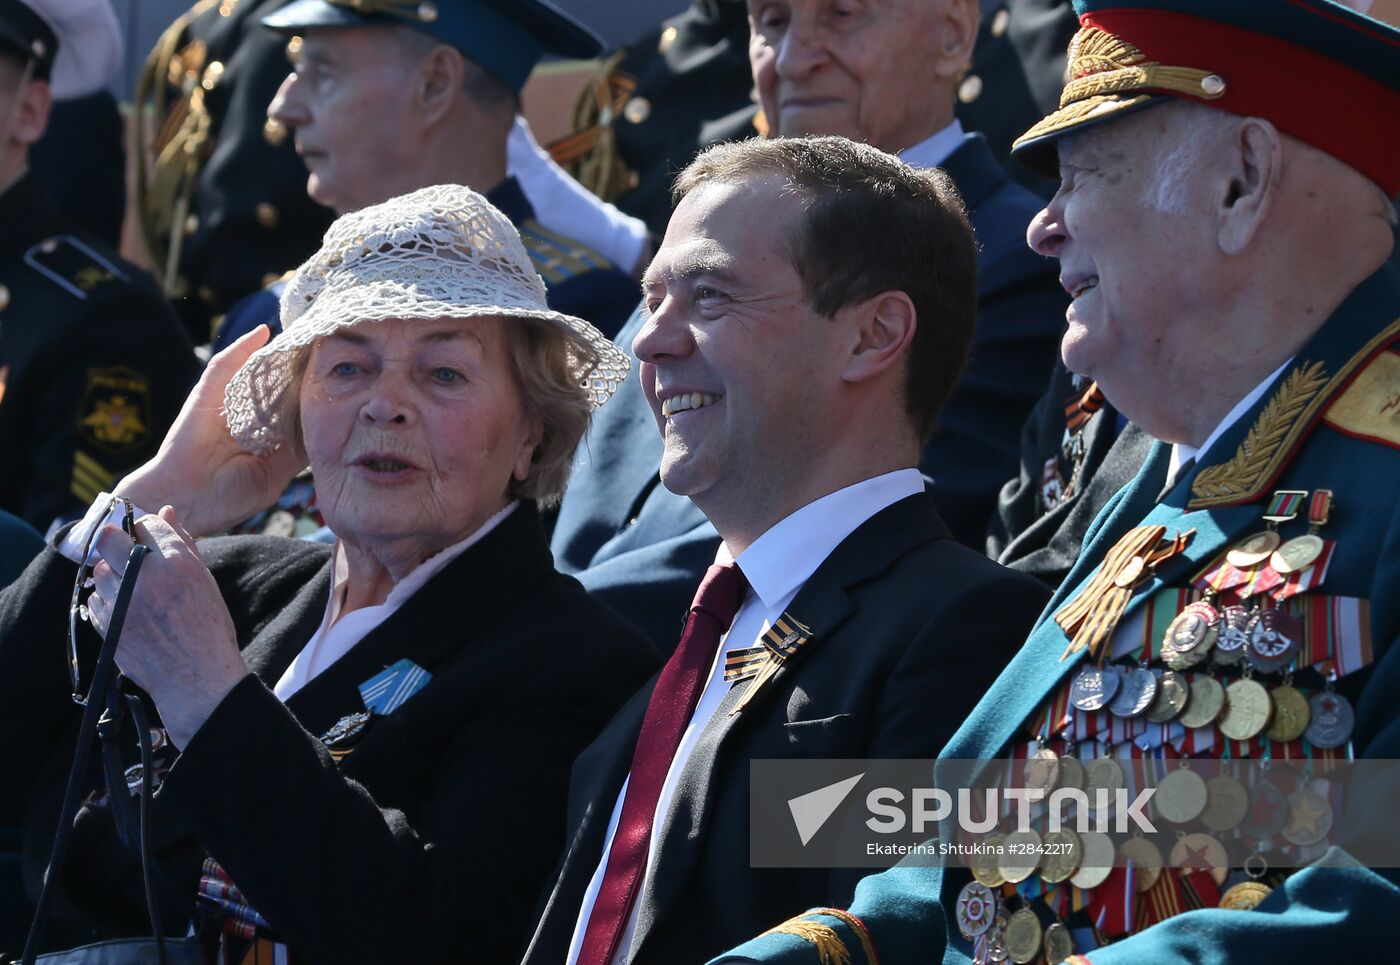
103	713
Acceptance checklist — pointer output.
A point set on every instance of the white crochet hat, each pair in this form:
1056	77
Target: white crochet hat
440	252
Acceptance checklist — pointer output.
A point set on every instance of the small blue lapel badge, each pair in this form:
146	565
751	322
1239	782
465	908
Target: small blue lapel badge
386	692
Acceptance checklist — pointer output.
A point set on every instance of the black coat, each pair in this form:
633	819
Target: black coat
1032	536
452	806
909	629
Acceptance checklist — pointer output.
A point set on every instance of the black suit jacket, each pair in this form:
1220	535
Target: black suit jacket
452	806
909	629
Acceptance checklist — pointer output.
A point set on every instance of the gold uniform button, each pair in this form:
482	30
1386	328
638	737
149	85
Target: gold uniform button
206	295
4	298
293	47
970	89
274	132
668	37
212	73
1000	21
191	224
226	8
266	214
637	110
427	12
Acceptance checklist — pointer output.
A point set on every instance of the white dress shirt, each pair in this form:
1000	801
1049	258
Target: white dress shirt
1182	453
339	631
933	151
776	566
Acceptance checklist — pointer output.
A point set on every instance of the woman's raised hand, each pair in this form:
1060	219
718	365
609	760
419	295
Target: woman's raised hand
211	480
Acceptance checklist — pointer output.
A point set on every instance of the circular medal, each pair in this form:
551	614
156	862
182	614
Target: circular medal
1023	936
1019	856
1061	854
1130	573
1247	710
1201	852
1071	773
1172	694
1227	803
1189	629
1332	720
1253	550
1135	693
1094	687
1102	779
1184	659
1297	554
1095	862
1291	714
1042	770
1245	896
1145	857
1181	796
1273	639
1207	700
1268	811
977	907
984	866
1234	635
1309	817
1059	945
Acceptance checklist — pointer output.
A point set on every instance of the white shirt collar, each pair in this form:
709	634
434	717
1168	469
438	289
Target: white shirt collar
1182	453
933	151
785	556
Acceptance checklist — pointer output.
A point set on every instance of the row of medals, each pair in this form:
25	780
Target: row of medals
1258	640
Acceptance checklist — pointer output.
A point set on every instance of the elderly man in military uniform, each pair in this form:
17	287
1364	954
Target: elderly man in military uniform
93	366
442	82
1224	222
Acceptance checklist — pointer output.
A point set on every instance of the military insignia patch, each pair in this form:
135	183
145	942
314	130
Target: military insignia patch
1370	406
116	410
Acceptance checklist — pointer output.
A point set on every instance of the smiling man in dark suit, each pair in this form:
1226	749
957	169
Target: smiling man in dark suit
808	313
887	78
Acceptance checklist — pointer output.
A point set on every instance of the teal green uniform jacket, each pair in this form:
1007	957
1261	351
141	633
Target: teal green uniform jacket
1343	435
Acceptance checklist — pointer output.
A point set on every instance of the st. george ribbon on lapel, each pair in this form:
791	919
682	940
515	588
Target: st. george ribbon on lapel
758	664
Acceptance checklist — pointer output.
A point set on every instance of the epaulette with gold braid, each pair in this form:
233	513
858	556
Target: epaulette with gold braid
1283	423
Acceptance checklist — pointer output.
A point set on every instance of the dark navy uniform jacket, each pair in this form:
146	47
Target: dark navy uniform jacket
578	280
643	549
93	365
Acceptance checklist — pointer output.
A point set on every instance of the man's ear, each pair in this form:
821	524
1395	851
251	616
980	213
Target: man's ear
31	111
957	35
1256	167
885	327
441	79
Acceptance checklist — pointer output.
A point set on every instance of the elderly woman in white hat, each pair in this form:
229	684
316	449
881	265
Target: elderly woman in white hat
370	743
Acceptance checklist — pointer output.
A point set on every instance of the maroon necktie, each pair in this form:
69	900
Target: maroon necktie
672	702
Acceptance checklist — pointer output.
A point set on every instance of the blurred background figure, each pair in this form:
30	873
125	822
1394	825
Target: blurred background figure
93	367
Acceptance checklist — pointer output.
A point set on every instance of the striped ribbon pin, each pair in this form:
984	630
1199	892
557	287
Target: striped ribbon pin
758	664
387	691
